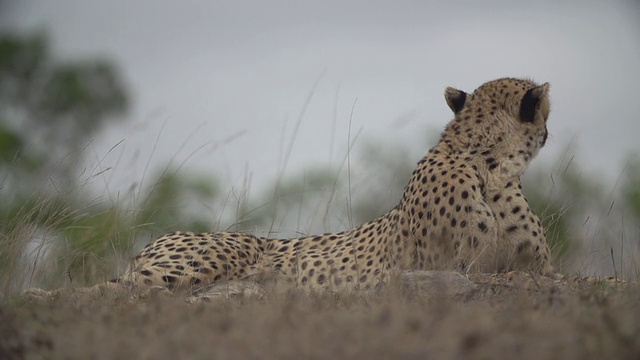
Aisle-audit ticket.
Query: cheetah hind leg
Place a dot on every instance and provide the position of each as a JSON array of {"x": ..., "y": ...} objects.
[
  {"x": 126, "y": 286},
  {"x": 214, "y": 292},
  {"x": 111, "y": 289}
]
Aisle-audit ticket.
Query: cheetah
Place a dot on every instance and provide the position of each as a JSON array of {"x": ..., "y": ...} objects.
[{"x": 463, "y": 210}]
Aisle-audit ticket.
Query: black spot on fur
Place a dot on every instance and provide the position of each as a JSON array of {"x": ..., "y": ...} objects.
[{"x": 169, "y": 279}]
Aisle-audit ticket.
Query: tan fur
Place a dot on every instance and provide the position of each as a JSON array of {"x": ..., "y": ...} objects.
[{"x": 462, "y": 209}]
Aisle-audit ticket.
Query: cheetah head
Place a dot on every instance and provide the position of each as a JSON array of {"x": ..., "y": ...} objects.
[{"x": 506, "y": 117}]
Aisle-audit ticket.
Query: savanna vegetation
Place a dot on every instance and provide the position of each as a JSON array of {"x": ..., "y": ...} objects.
[{"x": 56, "y": 230}]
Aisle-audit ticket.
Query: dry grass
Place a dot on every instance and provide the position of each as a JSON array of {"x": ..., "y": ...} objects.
[
  {"x": 518, "y": 317},
  {"x": 501, "y": 317}
]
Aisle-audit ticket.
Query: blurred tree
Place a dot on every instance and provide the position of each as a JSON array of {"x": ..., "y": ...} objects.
[{"x": 49, "y": 110}]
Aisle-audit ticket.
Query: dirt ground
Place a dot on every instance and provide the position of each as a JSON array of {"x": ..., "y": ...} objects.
[{"x": 488, "y": 317}]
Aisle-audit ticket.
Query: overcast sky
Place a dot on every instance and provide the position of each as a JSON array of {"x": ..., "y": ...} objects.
[{"x": 220, "y": 85}]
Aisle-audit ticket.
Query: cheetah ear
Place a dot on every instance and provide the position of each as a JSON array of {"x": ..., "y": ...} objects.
[
  {"x": 530, "y": 102},
  {"x": 455, "y": 99}
]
